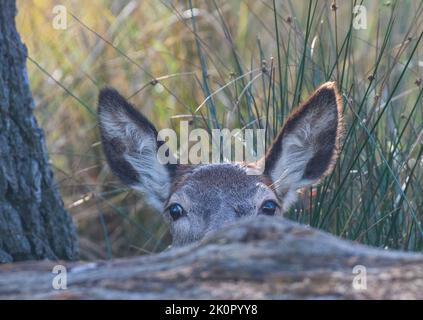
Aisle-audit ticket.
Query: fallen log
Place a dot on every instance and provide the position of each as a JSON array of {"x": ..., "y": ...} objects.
[{"x": 260, "y": 258}]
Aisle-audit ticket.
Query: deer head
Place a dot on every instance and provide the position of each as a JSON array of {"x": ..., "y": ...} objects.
[{"x": 196, "y": 199}]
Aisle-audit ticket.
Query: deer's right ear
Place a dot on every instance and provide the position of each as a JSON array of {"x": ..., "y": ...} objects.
[
  {"x": 130, "y": 144},
  {"x": 306, "y": 148}
]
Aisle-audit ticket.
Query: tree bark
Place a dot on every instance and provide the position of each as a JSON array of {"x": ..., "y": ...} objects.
[
  {"x": 260, "y": 258},
  {"x": 33, "y": 222}
]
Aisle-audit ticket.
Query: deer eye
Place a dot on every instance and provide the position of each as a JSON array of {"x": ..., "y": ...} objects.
[
  {"x": 176, "y": 211},
  {"x": 269, "y": 207}
]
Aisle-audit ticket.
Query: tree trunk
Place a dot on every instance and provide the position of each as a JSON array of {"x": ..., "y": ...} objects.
[
  {"x": 33, "y": 222},
  {"x": 259, "y": 258}
]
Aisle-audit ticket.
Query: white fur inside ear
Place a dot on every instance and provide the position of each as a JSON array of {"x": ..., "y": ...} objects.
[
  {"x": 141, "y": 154},
  {"x": 299, "y": 147},
  {"x": 154, "y": 177},
  {"x": 297, "y": 151}
]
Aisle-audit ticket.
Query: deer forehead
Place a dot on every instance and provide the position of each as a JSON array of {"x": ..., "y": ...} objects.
[{"x": 220, "y": 181}]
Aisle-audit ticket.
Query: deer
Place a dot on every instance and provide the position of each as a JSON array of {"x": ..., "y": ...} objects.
[{"x": 197, "y": 199}]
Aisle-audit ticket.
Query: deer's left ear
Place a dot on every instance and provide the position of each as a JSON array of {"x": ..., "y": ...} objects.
[
  {"x": 130, "y": 144},
  {"x": 306, "y": 147}
]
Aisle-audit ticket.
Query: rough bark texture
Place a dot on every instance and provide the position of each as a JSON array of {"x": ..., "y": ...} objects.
[
  {"x": 33, "y": 222},
  {"x": 261, "y": 258}
]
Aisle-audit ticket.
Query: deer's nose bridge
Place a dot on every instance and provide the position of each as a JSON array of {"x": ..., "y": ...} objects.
[
  {"x": 229, "y": 212},
  {"x": 242, "y": 209}
]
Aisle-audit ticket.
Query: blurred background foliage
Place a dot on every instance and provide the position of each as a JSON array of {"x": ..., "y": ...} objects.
[{"x": 255, "y": 60}]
